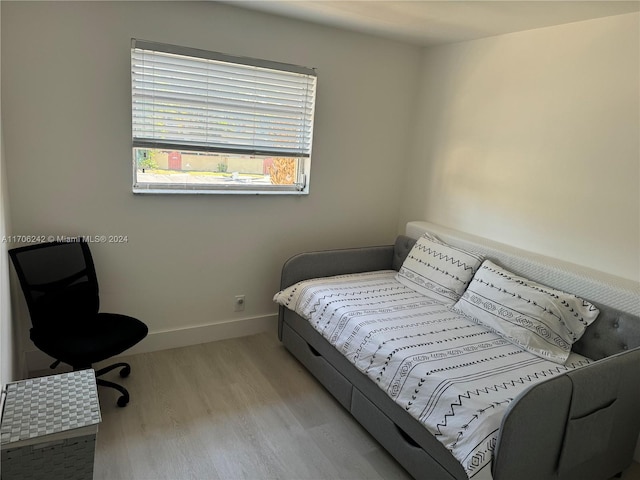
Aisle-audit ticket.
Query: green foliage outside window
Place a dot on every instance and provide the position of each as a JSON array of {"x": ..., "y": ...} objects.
[{"x": 146, "y": 159}]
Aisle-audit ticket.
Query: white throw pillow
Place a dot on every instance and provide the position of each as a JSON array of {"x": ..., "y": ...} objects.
[
  {"x": 438, "y": 270},
  {"x": 540, "y": 319}
]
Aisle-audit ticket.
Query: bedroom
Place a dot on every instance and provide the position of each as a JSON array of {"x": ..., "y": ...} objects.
[{"x": 492, "y": 117}]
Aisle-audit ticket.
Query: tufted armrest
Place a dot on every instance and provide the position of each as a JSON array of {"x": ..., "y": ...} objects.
[
  {"x": 328, "y": 263},
  {"x": 613, "y": 332}
]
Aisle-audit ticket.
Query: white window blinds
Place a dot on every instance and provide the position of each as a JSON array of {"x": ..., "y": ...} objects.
[{"x": 191, "y": 99}]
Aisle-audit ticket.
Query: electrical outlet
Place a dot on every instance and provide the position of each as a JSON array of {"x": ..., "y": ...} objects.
[{"x": 238, "y": 303}]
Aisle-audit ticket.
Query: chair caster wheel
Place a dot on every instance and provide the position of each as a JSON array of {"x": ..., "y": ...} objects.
[
  {"x": 123, "y": 401},
  {"x": 125, "y": 371}
]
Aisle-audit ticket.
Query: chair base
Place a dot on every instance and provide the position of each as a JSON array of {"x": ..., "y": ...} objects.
[
  {"x": 123, "y": 400},
  {"x": 126, "y": 369}
]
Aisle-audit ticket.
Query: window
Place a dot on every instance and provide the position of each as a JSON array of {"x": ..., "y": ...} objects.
[{"x": 206, "y": 122}]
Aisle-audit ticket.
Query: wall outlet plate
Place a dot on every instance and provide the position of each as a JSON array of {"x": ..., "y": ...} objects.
[{"x": 238, "y": 303}]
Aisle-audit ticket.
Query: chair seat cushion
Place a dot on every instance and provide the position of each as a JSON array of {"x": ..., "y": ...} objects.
[{"x": 93, "y": 340}]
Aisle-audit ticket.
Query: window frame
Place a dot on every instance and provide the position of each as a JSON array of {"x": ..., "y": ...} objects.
[{"x": 302, "y": 132}]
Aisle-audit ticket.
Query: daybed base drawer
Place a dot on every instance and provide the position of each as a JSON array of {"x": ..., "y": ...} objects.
[
  {"x": 414, "y": 459},
  {"x": 332, "y": 380}
]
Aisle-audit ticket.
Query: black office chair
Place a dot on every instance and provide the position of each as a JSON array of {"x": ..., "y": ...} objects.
[{"x": 61, "y": 289}]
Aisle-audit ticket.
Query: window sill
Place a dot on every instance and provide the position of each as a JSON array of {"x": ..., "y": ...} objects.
[{"x": 150, "y": 190}]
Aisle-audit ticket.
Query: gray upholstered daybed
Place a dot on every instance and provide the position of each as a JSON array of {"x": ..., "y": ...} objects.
[{"x": 582, "y": 423}]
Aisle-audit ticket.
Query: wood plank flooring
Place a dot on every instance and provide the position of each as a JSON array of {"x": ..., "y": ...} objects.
[{"x": 236, "y": 409}]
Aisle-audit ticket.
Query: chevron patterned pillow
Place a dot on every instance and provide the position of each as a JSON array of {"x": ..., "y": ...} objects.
[
  {"x": 542, "y": 320},
  {"x": 438, "y": 270}
]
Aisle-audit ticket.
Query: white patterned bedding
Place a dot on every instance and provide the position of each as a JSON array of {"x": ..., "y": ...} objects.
[{"x": 453, "y": 375}]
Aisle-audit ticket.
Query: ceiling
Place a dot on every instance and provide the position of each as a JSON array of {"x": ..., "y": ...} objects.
[{"x": 430, "y": 22}]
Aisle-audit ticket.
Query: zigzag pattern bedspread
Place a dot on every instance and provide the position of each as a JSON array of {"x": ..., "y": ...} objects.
[{"x": 455, "y": 376}]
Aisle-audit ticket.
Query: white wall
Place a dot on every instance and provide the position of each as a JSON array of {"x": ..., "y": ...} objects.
[
  {"x": 8, "y": 341},
  {"x": 8, "y": 347},
  {"x": 532, "y": 139},
  {"x": 66, "y": 105}
]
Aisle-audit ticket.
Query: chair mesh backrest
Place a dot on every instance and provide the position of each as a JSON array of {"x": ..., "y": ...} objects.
[{"x": 58, "y": 281}]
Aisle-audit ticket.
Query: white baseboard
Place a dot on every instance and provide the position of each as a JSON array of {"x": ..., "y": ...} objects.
[{"x": 37, "y": 361}]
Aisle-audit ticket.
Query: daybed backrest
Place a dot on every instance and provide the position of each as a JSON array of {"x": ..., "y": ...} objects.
[{"x": 618, "y": 325}]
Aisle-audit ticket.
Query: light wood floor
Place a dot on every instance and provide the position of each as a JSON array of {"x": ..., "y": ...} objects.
[
  {"x": 236, "y": 409},
  {"x": 239, "y": 408}
]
